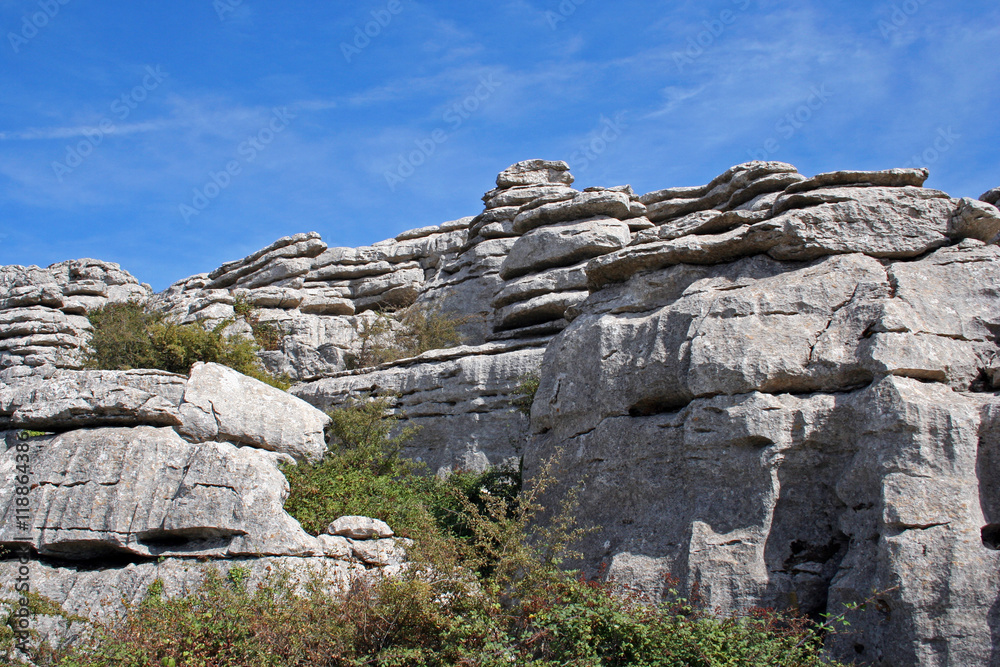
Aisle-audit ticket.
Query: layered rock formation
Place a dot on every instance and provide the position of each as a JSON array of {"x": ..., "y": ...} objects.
[
  {"x": 779, "y": 388},
  {"x": 147, "y": 475}
]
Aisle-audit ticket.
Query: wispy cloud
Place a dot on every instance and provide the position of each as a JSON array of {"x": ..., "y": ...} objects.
[{"x": 47, "y": 133}]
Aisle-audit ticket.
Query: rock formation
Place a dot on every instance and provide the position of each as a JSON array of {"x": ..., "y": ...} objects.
[{"x": 782, "y": 389}]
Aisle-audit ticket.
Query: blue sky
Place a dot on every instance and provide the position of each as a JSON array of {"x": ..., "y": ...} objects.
[{"x": 172, "y": 137}]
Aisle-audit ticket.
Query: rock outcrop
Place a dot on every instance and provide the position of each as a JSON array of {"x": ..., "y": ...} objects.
[
  {"x": 43, "y": 311},
  {"x": 780, "y": 389}
]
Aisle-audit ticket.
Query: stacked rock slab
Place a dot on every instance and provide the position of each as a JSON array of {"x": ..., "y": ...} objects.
[
  {"x": 782, "y": 389},
  {"x": 43, "y": 311}
]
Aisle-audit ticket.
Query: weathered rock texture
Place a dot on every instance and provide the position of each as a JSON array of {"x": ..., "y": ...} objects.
[{"x": 779, "y": 388}]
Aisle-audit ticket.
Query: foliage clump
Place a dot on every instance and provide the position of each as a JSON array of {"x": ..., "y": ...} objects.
[
  {"x": 405, "y": 333},
  {"x": 524, "y": 393},
  {"x": 363, "y": 473},
  {"x": 130, "y": 335},
  {"x": 485, "y": 587}
]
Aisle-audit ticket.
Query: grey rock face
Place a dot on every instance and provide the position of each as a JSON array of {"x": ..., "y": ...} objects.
[
  {"x": 460, "y": 398},
  {"x": 221, "y": 404},
  {"x": 563, "y": 245},
  {"x": 793, "y": 428},
  {"x": 75, "y": 399},
  {"x": 144, "y": 491}
]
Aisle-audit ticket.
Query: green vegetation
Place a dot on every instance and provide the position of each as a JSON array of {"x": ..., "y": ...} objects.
[
  {"x": 406, "y": 333},
  {"x": 267, "y": 334},
  {"x": 363, "y": 473},
  {"x": 524, "y": 392},
  {"x": 486, "y": 586},
  {"x": 129, "y": 335},
  {"x": 37, "y": 605}
]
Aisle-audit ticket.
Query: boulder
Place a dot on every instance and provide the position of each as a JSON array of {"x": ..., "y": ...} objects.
[
  {"x": 564, "y": 244},
  {"x": 359, "y": 528},
  {"x": 976, "y": 220},
  {"x": 534, "y": 172},
  {"x": 143, "y": 491},
  {"x": 221, "y": 404}
]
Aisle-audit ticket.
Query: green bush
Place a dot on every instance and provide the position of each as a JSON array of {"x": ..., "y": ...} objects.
[
  {"x": 406, "y": 333},
  {"x": 524, "y": 393},
  {"x": 128, "y": 335},
  {"x": 268, "y": 335}
]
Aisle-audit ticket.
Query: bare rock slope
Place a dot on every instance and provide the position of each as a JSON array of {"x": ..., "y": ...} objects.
[{"x": 780, "y": 389}]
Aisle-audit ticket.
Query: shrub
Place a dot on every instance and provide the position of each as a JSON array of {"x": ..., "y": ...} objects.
[
  {"x": 128, "y": 335},
  {"x": 269, "y": 335},
  {"x": 524, "y": 393},
  {"x": 406, "y": 333},
  {"x": 121, "y": 337},
  {"x": 362, "y": 473}
]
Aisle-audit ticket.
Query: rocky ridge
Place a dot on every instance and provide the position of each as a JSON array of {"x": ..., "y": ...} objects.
[{"x": 780, "y": 388}]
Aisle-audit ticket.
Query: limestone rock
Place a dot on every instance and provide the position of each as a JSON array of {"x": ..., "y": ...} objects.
[
  {"x": 101, "y": 594},
  {"x": 533, "y": 172},
  {"x": 287, "y": 248},
  {"x": 563, "y": 279},
  {"x": 564, "y": 244},
  {"x": 537, "y": 310},
  {"x": 879, "y": 222},
  {"x": 389, "y": 553},
  {"x": 520, "y": 195},
  {"x": 146, "y": 492},
  {"x": 991, "y": 197},
  {"x": 896, "y": 178},
  {"x": 221, "y": 404},
  {"x": 359, "y": 528},
  {"x": 460, "y": 398},
  {"x": 73, "y": 399},
  {"x": 583, "y": 206},
  {"x": 977, "y": 220},
  {"x": 735, "y": 187},
  {"x": 780, "y": 388}
]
